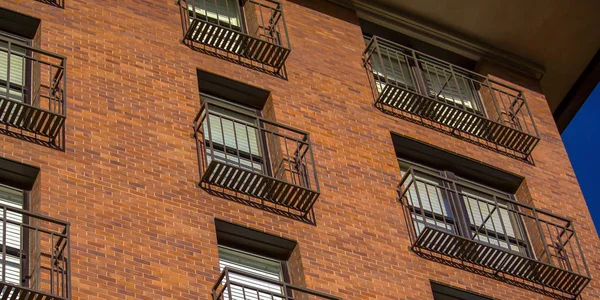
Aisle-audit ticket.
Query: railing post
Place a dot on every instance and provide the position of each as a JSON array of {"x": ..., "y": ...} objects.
[
  {"x": 228, "y": 284},
  {"x": 494, "y": 100},
  {"x": 542, "y": 236},
  {"x": 585, "y": 266},
  {"x": 414, "y": 178},
  {"x": 4, "y": 243},
  {"x": 288, "y": 44},
  {"x": 312, "y": 161},
  {"x": 382, "y": 66},
  {"x": 68, "y": 261}
]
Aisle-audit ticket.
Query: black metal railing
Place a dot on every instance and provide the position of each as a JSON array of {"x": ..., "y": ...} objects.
[
  {"x": 35, "y": 256},
  {"x": 239, "y": 285},
  {"x": 256, "y": 157},
  {"x": 464, "y": 221},
  {"x": 57, "y": 3},
  {"x": 253, "y": 31},
  {"x": 32, "y": 93},
  {"x": 422, "y": 88}
]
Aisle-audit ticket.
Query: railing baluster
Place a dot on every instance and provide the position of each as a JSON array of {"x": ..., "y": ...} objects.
[{"x": 4, "y": 262}]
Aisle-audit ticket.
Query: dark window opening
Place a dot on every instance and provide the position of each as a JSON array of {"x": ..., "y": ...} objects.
[{"x": 444, "y": 292}]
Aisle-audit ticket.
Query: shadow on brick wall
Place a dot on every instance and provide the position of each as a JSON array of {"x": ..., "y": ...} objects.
[{"x": 308, "y": 218}]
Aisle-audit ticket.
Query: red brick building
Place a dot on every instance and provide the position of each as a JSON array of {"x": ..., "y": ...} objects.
[{"x": 299, "y": 150}]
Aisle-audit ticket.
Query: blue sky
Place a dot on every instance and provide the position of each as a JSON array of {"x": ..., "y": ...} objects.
[{"x": 582, "y": 140}]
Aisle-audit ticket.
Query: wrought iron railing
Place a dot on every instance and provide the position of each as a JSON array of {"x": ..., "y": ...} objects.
[
  {"x": 34, "y": 256},
  {"x": 32, "y": 93},
  {"x": 57, "y": 3},
  {"x": 424, "y": 89},
  {"x": 239, "y": 285},
  {"x": 251, "y": 31},
  {"x": 464, "y": 221},
  {"x": 256, "y": 157}
]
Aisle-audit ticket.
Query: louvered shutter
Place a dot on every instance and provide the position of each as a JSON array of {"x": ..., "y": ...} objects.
[
  {"x": 225, "y": 11},
  {"x": 238, "y": 134},
  {"x": 12, "y": 198},
  {"x": 254, "y": 289}
]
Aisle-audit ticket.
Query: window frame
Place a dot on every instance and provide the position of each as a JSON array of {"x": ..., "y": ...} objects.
[
  {"x": 284, "y": 275},
  {"x": 192, "y": 11},
  {"x": 264, "y": 158},
  {"x": 24, "y": 235},
  {"x": 27, "y": 72},
  {"x": 460, "y": 213}
]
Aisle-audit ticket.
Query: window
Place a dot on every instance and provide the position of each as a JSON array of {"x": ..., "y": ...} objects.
[
  {"x": 14, "y": 198},
  {"x": 443, "y": 292},
  {"x": 250, "y": 288},
  {"x": 32, "y": 84},
  {"x": 403, "y": 67},
  {"x": 442, "y": 200},
  {"x": 234, "y": 135},
  {"x": 454, "y": 85},
  {"x": 13, "y": 70},
  {"x": 256, "y": 263},
  {"x": 392, "y": 67},
  {"x": 222, "y": 12}
]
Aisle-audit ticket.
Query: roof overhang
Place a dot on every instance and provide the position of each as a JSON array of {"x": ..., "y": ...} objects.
[{"x": 553, "y": 41}]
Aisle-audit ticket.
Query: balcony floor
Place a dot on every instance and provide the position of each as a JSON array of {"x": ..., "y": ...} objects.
[
  {"x": 499, "y": 260},
  {"x": 236, "y": 42},
  {"x": 30, "y": 118},
  {"x": 457, "y": 119},
  {"x": 17, "y": 292},
  {"x": 260, "y": 186}
]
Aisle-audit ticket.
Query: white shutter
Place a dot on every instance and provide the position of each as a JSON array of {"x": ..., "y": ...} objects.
[
  {"x": 12, "y": 198},
  {"x": 226, "y": 11},
  {"x": 254, "y": 265}
]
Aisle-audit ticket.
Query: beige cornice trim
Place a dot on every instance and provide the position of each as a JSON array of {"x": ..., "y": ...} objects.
[{"x": 419, "y": 29}]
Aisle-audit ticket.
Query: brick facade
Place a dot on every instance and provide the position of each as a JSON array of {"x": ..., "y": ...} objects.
[{"x": 142, "y": 229}]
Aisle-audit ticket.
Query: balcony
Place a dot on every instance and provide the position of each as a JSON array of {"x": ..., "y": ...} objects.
[
  {"x": 253, "y": 33},
  {"x": 509, "y": 239},
  {"x": 34, "y": 258},
  {"x": 267, "y": 161},
  {"x": 239, "y": 285},
  {"x": 32, "y": 94},
  {"x": 445, "y": 97}
]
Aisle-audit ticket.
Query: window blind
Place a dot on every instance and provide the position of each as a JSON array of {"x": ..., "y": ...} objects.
[
  {"x": 451, "y": 86},
  {"x": 427, "y": 194},
  {"x": 236, "y": 134},
  {"x": 12, "y": 198},
  {"x": 225, "y": 11},
  {"x": 12, "y": 69},
  {"x": 500, "y": 228},
  {"x": 392, "y": 67},
  {"x": 255, "y": 289}
]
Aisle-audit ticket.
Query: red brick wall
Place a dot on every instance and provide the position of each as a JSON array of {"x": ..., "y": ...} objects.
[{"x": 141, "y": 229}]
